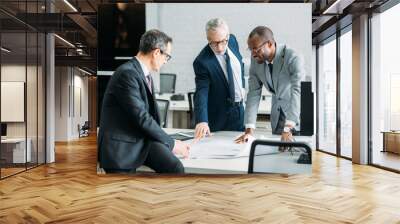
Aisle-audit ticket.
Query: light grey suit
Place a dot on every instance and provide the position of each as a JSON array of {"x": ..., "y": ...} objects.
[{"x": 288, "y": 71}]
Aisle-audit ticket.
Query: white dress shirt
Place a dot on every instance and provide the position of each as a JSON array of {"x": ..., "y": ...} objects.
[
  {"x": 145, "y": 70},
  {"x": 236, "y": 70}
]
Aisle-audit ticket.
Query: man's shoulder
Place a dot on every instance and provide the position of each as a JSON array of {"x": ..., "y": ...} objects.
[
  {"x": 254, "y": 64},
  {"x": 290, "y": 53},
  {"x": 232, "y": 39},
  {"x": 126, "y": 69},
  {"x": 125, "y": 66},
  {"x": 204, "y": 55}
]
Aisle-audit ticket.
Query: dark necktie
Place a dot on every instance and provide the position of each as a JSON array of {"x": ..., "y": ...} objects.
[
  {"x": 270, "y": 67},
  {"x": 230, "y": 77},
  {"x": 148, "y": 79}
]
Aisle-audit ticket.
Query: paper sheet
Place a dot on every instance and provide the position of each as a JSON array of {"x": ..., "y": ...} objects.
[
  {"x": 218, "y": 147},
  {"x": 222, "y": 146}
]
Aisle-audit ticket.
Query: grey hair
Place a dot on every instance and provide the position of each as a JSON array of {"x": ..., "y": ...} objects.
[
  {"x": 154, "y": 39},
  {"x": 214, "y": 24}
]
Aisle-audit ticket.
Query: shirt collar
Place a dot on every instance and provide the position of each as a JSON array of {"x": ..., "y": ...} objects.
[
  {"x": 145, "y": 70},
  {"x": 226, "y": 50},
  {"x": 276, "y": 52}
]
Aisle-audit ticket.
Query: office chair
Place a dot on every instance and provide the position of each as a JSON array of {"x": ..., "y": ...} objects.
[
  {"x": 306, "y": 109},
  {"x": 167, "y": 83},
  {"x": 84, "y": 129},
  {"x": 280, "y": 157},
  {"x": 163, "y": 106},
  {"x": 191, "y": 110}
]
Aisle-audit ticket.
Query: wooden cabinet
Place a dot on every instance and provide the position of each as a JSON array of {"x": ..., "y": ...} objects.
[{"x": 391, "y": 142}]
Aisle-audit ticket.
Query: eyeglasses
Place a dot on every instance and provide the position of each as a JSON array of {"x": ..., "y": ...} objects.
[
  {"x": 215, "y": 44},
  {"x": 168, "y": 57},
  {"x": 257, "y": 49}
]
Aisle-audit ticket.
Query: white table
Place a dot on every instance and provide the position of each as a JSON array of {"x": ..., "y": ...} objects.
[
  {"x": 274, "y": 163},
  {"x": 19, "y": 155},
  {"x": 183, "y": 106}
]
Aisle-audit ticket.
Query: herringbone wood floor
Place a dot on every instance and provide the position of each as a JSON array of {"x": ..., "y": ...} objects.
[{"x": 70, "y": 191}]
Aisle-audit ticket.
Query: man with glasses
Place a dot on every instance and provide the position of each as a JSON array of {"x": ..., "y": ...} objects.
[
  {"x": 280, "y": 70},
  {"x": 130, "y": 134},
  {"x": 218, "y": 100}
]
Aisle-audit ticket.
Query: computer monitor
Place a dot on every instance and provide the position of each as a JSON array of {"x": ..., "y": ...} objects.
[
  {"x": 167, "y": 83},
  {"x": 3, "y": 129},
  {"x": 306, "y": 109}
]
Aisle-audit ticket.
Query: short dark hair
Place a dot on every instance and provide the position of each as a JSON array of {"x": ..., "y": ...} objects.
[
  {"x": 154, "y": 39},
  {"x": 263, "y": 32}
]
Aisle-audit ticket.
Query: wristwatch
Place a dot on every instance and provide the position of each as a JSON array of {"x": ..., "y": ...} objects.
[{"x": 287, "y": 129}]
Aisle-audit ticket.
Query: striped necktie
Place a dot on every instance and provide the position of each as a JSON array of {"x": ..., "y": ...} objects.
[{"x": 148, "y": 79}]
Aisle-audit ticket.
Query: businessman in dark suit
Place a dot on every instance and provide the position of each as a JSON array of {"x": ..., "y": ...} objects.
[
  {"x": 218, "y": 100},
  {"x": 130, "y": 134}
]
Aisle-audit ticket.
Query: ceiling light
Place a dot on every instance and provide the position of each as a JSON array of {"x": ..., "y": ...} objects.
[
  {"x": 5, "y": 50},
  {"x": 70, "y": 5},
  {"x": 329, "y": 9},
  {"x": 65, "y": 41},
  {"x": 84, "y": 71},
  {"x": 122, "y": 58}
]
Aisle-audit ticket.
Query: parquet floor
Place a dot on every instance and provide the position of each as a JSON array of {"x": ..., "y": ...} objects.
[{"x": 70, "y": 191}]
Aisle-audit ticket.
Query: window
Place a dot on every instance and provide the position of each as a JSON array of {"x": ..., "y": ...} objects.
[
  {"x": 22, "y": 76},
  {"x": 346, "y": 94},
  {"x": 385, "y": 86},
  {"x": 327, "y": 96}
]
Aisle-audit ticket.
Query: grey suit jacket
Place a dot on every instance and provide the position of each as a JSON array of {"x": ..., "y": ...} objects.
[{"x": 288, "y": 71}]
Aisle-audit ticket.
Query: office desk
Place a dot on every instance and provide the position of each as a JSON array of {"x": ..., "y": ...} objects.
[
  {"x": 178, "y": 109},
  {"x": 13, "y": 150},
  {"x": 274, "y": 163}
]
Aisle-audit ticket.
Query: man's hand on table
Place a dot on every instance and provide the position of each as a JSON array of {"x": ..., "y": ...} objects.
[
  {"x": 181, "y": 148},
  {"x": 244, "y": 138},
  {"x": 286, "y": 136},
  {"x": 202, "y": 130}
]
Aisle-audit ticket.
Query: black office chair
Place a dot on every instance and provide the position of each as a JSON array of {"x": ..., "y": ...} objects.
[
  {"x": 84, "y": 129},
  {"x": 280, "y": 157},
  {"x": 306, "y": 109},
  {"x": 167, "y": 83},
  {"x": 191, "y": 110},
  {"x": 163, "y": 106}
]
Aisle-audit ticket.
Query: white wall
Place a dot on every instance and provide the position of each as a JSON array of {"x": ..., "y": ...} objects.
[
  {"x": 185, "y": 23},
  {"x": 71, "y": 93},
  {"x": 17, "y": 73},
  {"x": 34, "y": 125}
]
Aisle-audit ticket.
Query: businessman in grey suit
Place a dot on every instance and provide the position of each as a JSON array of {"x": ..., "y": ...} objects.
[{"x": 280, "y": 70}]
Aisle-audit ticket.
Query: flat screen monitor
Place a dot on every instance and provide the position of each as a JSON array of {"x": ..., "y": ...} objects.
[{"x": 167, "y": 83}]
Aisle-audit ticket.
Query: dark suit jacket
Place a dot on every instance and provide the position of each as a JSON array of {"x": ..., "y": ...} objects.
[
  {"x": 212, "y": 90},
  {"x": 129, "y": 120}
]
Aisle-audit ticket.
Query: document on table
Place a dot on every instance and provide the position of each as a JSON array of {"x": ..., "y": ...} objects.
[{"x": 223, "y": 147}]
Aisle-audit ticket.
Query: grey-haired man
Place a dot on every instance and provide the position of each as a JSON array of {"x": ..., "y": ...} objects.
[{"x": 130, "y": 134}]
